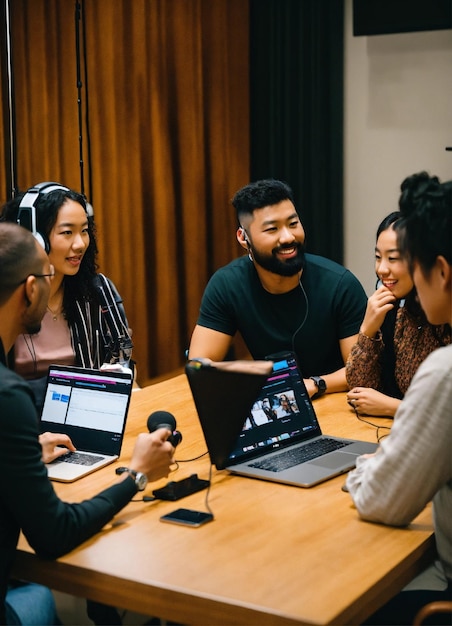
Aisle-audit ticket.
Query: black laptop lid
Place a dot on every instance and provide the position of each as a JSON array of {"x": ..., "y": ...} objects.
[
  {"x": 224, "y": 393},
  {"x": 90, "y": 406}
]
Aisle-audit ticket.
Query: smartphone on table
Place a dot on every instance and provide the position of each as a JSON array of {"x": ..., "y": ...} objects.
[{"x": 187, "y": 517}]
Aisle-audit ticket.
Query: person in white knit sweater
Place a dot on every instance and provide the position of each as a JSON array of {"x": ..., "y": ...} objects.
[{"x": 413, "y": 465}]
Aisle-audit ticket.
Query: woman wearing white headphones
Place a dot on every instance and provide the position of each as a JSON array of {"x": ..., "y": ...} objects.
[{"x": 75, "y": 331}]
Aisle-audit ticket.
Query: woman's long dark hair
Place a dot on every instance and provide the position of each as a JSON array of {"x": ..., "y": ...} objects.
[
  {"x": 80, "y": 286},
  {"x": 413, "y": 308}
]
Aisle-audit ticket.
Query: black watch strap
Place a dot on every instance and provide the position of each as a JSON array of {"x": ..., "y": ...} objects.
[{"x": 320, "y": 384}]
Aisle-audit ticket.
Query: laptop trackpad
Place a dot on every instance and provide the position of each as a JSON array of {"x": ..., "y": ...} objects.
[{"x": 335, "y": 460}]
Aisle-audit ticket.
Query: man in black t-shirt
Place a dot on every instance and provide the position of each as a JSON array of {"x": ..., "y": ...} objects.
[{"x": 278, "y": 297}]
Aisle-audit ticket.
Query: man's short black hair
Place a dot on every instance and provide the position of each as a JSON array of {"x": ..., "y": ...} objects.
[
  {"x": 260, "y": 194},
  {"x": 19, "y": 258}
]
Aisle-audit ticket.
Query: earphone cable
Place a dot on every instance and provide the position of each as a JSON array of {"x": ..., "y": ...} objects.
[
  {"x": 208, "y": 491},
  {"x": 304, "y": 318},
  {"x": 377, "y": 426},
  {"x": 31, "y": 350}
]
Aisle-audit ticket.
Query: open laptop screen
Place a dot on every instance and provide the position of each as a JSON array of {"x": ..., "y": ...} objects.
[
  {"x": 282, "y": 413},
  {"x": 90, "y": 406}
]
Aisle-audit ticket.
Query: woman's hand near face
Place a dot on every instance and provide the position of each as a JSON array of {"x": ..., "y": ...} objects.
[{"x": 378, "y": 305}]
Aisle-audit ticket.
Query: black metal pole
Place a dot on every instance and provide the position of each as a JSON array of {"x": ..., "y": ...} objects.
[
  {"x": 79, "y": 96},
  {"x": 9, "y": 116}
]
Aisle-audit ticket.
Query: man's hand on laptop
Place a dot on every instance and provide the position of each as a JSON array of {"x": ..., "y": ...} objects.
[
  {"x": 153, "y": 454},
  {"x": 54, "y": 445}
]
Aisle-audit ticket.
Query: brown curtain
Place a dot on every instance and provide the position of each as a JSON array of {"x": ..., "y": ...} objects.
[{"x": 165, "y": 99}]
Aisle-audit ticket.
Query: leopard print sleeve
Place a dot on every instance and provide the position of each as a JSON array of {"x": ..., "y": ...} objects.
[{"x": 363, "y": 367}]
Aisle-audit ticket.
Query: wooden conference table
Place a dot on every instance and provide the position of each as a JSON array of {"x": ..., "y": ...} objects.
[{"x": 274, "y": 554}]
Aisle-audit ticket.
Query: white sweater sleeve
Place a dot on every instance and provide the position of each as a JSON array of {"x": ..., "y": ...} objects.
[{"x": 415, "y": 461}]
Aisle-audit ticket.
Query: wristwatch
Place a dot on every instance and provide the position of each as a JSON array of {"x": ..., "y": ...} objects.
[
  {"x": 140, "y": 479},
  {"x": 321, "y": 386}
]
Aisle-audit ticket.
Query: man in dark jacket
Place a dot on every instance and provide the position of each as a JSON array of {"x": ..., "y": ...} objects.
[{"x": 52, "y": 527}]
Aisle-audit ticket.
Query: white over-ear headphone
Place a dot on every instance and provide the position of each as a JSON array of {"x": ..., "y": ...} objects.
[{"x": 26, "y": 216}]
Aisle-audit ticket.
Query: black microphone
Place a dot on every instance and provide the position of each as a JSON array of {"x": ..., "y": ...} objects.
[{"x": 163, "y": 419}]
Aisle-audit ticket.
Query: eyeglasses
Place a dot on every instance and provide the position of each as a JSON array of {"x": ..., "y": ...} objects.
[{"x": 50, "y": 275}]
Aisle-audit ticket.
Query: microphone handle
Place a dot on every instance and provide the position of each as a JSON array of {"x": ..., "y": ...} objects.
[{"x": 175, "y": 438}]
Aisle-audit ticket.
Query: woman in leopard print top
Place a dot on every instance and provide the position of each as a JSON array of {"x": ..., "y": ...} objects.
[{"x": 394, "y": 337}]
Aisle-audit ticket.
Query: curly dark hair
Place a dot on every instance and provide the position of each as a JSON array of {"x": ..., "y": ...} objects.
[
  {"x": 260, "y": 194},
  {"x": 80, "y": 286},
  {"x": 425, "y": 231}
]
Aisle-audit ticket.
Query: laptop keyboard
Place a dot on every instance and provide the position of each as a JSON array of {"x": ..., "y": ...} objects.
[
  {"x": 295, "y": 456},
  {"x": 79, "y": 458}
]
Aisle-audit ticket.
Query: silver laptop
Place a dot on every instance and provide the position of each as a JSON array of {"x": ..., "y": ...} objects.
[
  {"x": 90, "y": 406},
  {"x": 280, "y": 438}
]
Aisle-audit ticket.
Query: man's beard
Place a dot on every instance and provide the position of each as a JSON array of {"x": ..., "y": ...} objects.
[
  {"x": 33, "y": 328},
  {"x": 273, "y": 264},
  {"x": 33, "y": 322}
]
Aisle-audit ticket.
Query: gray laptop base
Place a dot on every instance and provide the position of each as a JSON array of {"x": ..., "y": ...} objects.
[
  {"x": 280, "y": 420},
  {"x": 66, "y": 471},
  {"x": 311, "y": 472}
]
